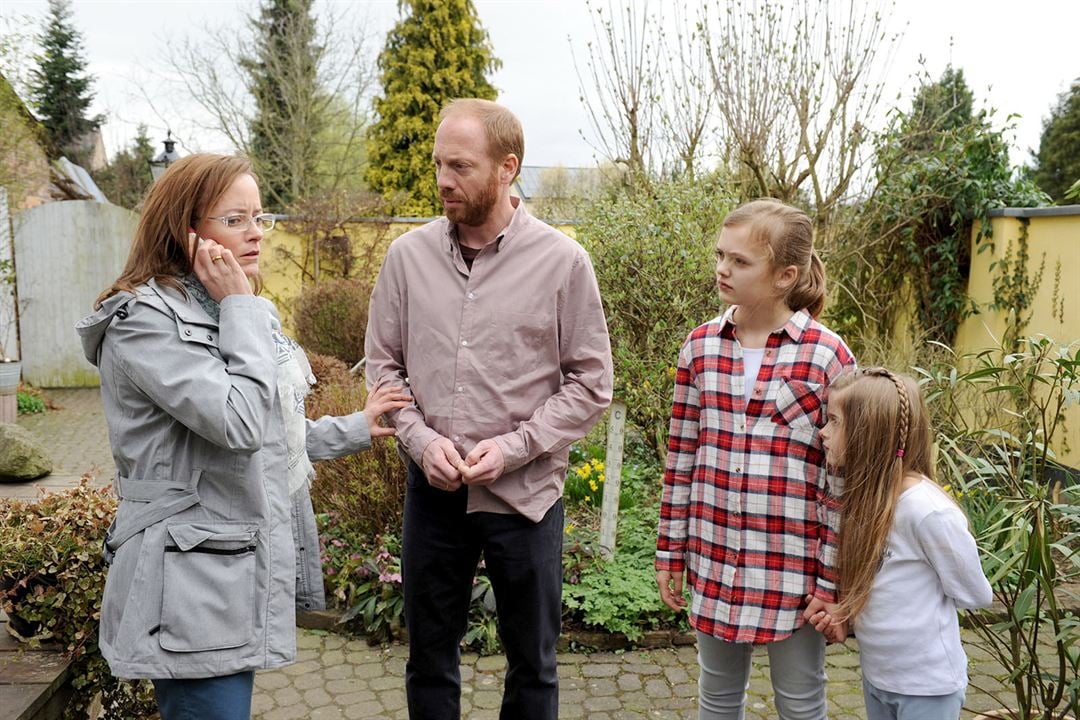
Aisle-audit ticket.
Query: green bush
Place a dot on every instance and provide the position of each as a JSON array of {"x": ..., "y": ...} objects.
[
  {"x": 53, "y": 577},
  {"x": 653, "y": 251},
  {"x": 30, "y": 402},
  {"x": 331, "y": 318},
  {"x": 365, "y": 490}
]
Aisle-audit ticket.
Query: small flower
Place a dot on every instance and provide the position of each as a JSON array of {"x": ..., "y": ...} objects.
[
  {"x": 602, "y": 477},
  {"x": 569, "y": 528},
  {"x": 593, "y": 486},
  {"x": 588, "y": 498}
]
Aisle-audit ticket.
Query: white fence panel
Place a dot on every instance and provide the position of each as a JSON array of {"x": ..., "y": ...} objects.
[{"x": 66, "y": 254}]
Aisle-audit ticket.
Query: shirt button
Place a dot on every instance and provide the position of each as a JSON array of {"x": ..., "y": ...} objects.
[
  {"x": 210, "y": 338},
  {"x": 472, "y": 296},
  {"x": 460, "y": 389},
  {"x": 187, "y": 332},
  {"x": 465, "y": 343},
  {"x": 457, "y": 438},
  {"x": 738, "y": 469}
]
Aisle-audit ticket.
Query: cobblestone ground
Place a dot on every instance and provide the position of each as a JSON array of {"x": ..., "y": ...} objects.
[{"x": 336, "y": 677}]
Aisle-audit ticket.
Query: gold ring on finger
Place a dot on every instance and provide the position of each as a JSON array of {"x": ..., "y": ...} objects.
[{"x": 215, "y": 258}]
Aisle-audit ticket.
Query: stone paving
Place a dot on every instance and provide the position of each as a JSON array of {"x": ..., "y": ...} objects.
[{"x": 339, "y": 677}]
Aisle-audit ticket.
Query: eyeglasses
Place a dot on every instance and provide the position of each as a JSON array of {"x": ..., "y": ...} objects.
[{"x": 240, "y": 223}]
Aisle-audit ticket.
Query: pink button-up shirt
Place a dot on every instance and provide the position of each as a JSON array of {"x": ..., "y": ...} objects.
[{"x": 515, "y": 349}]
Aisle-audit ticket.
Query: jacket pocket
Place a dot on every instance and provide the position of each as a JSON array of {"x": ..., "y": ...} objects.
[{"x": 208, "y": 600}]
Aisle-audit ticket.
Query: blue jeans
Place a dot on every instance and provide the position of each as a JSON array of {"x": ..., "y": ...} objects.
[
  {"x": 885, "y": 705},
  {"x": 441, "y": 546},
  {"x": 216, "y": 698},
  {"x": 796, "y": 667}
]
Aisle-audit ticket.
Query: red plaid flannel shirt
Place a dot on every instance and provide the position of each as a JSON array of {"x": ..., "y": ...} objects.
[{"x": 747, "y": 510}]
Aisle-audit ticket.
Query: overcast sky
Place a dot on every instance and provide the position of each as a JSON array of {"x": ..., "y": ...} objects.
[{"x": 1016, "y": 57}]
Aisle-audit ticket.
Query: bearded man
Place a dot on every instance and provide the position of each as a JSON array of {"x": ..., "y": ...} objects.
[{"x": 494, "y": 320}]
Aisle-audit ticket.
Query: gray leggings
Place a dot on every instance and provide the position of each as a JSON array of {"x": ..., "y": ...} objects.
[{"x": 796, "y": 665}]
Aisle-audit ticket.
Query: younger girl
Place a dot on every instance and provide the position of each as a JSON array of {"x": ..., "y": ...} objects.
[
  {"x": 907, "y": 560},
  {"x": 746, "y": 511}
]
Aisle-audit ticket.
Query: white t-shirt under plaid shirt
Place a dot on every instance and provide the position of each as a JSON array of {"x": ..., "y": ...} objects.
[{"x": 748, "y": 510}]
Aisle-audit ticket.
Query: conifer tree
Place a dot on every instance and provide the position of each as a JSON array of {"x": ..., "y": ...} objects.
[
  {"x": 60, "y": 86},
  {"x": 1058, "y": 159},
  {"x": 438, "y": 51},
  {"x": 283, "y": 78}
]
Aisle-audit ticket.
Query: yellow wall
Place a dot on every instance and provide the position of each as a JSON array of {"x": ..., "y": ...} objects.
[{"x": 1053, "y": 238}]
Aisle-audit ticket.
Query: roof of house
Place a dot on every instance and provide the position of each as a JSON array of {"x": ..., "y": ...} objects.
[{"x": 529, "y": 183}]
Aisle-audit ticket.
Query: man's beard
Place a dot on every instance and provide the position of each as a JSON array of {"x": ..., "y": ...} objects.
[{"x": 475, "y": 212}]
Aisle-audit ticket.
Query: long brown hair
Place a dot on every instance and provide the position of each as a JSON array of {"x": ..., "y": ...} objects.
[
  {"x": 788, "y": 236},
  {"x": 175, "y": 203},
  {"x": 886, "y": 432}
]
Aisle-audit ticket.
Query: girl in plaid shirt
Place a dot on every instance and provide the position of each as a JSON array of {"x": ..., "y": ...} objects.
[{"x": 748, "y": 514}]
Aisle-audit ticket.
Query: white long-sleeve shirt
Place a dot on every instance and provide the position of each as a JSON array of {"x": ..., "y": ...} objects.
[{"x": 909, "y": 635}]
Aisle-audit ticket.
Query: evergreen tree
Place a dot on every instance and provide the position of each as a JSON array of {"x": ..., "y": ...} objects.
[
  {"x": 126, "y": 179},
  {"x": 437, "y": 52},
  {"x": 60, "y": 87},
  {"x": 283, "y": 79},
  {"x": 1058, "y": 160},
  {"x": 943, "y": 105}
]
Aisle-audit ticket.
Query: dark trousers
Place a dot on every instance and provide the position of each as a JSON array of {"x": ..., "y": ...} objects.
[{"x": 441, "y": 546}]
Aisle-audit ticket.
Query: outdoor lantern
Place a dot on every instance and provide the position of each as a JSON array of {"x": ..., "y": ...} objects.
[{"x": 165, "y": 158}]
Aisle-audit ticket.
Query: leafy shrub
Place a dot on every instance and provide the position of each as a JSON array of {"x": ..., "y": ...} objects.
[
  {"x": 619, "y": 595},
  {"x": 653, "y": 251},
  {"x": 331, "y": 318},
  {"x": 1005, "y": 415},
  {"x": 365, "y": 491},
  {"x": 54, "y": 576},
  {"x": 30, "y": 402}
]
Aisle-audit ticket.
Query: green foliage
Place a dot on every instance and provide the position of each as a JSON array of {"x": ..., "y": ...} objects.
[
  {"x": 619, "y": 595},
  {"x": 127, "y": 177},
  {"x": 1015, "y": 288},
  {"x": 52, "y": 576},
  {"x": 23, "y": 165},
  {"x": 331, "y": 318},
  {"x": 1058, "y": 160},
  {"x": 936, "y": 178},
  {"x": 1002, "y": 412},
  {"x": 653, "y": 251},
  {"x": 362, "y": 574},
  {"x": 60, "y": 87},
  {"x": 367, "y": 489},
  {"x": 30, "y": 403},
  {"x": 283, "y": 78},
  {"x": 436, "y": 52}
]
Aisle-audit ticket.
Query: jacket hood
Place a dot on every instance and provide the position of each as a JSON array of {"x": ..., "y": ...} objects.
[{"x": 92, "y": 328}]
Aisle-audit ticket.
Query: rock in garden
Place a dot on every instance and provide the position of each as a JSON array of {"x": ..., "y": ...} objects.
[{"x": 22, "y": 456}]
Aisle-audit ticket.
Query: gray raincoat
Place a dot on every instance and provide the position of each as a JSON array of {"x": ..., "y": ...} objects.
[{"x": 206, "y": 538}]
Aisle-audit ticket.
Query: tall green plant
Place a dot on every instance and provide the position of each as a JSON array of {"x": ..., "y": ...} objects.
[
  {"x": 940, "y": 168},
  {"x": 438, "y": 51},
  {"x": 653, "y": 251},
  {"x": 60, "y": 85},
  {"x": 1004, "y": 410}
]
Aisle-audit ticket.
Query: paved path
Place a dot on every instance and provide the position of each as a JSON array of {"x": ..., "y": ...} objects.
[{"x": 337, "y": 677}]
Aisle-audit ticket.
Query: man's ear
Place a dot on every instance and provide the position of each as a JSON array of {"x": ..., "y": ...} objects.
[{"x": 510, "y": 168}]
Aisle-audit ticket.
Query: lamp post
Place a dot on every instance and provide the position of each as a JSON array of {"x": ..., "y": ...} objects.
[{"x": 165, "y": 158}]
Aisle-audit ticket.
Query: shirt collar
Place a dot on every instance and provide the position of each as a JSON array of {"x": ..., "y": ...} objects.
[
  {"x": 503, "y": 239},
  {"x": 794, "y": 327}
]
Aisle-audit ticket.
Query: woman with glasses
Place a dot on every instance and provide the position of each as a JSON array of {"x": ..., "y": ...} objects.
[{"x": 214, "y": 536}]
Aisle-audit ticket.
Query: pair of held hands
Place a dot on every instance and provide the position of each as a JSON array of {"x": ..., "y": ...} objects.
[
  {"x": 818, "y": 613},
  {"x": 445, "y": 469}
]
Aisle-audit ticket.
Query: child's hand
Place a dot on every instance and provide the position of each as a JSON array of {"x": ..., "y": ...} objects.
[
  {"x": 671, "y": 589},
  {"x": 822, "y": 616},
  {"x": 380, "y": 400}
]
